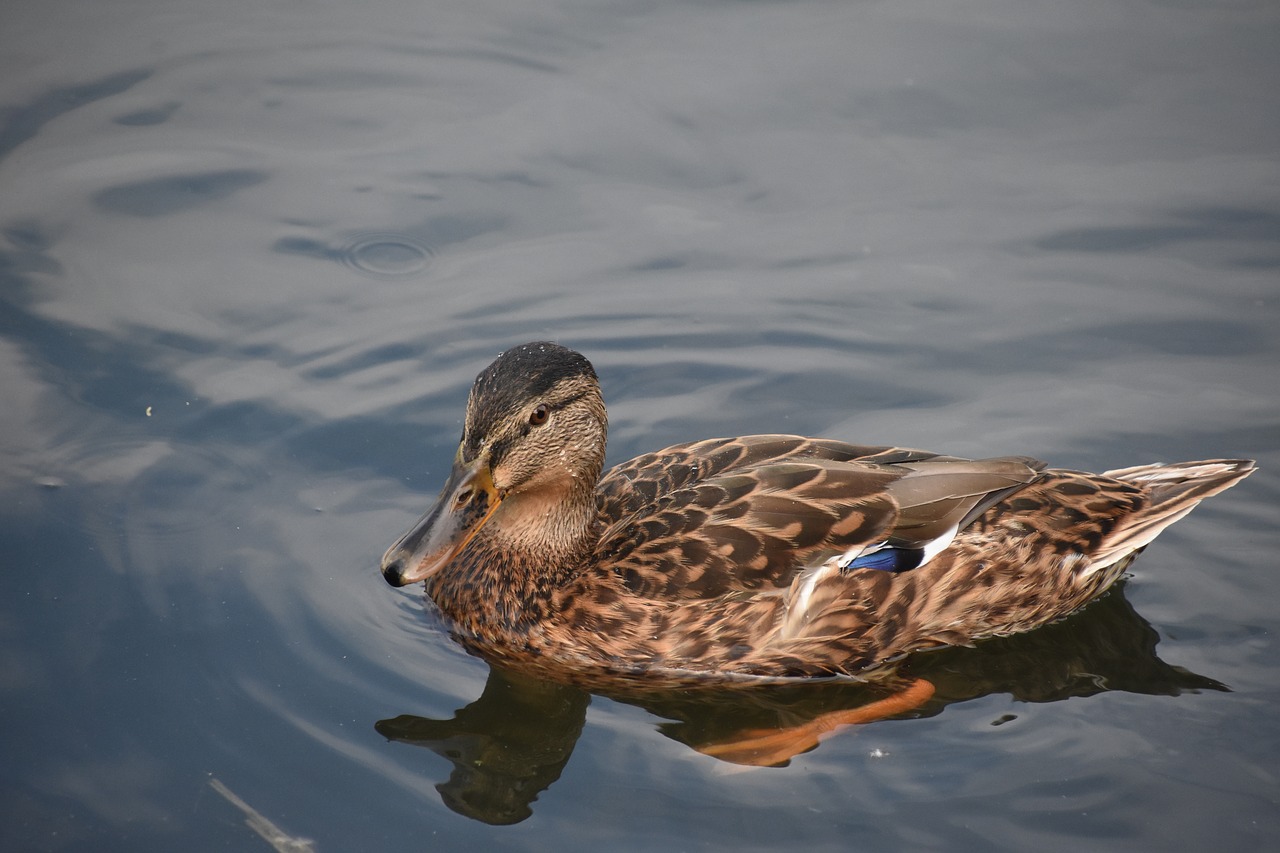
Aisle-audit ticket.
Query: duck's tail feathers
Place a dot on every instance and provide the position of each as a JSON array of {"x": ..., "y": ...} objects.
[{"x": 1173, "y": 491}]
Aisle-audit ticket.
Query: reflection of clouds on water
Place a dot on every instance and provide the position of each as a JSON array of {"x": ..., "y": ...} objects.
[
  {"x": 323, "y": 735},
  {"x": 121, "y": 792},
  {"x": 20, "y": 437}
]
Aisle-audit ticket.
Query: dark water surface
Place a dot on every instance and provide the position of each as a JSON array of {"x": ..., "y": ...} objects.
[{"x": 252, "y": 255}]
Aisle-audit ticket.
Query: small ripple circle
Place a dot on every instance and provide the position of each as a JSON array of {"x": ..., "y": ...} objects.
[{"x": 386, "y": 255}]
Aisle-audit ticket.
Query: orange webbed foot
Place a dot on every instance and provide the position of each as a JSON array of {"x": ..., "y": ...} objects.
[{"x": 775, "y": 747}]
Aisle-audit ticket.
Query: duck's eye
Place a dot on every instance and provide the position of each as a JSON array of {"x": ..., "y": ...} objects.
[{"x": 539, "y": 415}]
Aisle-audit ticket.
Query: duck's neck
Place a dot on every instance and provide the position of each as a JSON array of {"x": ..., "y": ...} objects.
[{"x": 502, "y": 582}]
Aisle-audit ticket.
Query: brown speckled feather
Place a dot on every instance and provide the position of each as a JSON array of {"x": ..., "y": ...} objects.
[
  {"x": 748, "y": 557},
  {"x": 703, "y": 520},
  {"x": 1022, "y": 563}
]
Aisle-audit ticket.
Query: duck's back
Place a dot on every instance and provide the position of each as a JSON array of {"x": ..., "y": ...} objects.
[{"x": 714, "y": 588}]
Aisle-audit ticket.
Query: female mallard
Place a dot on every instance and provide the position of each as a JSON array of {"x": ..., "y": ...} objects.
[{"x": 769, "y": 556}]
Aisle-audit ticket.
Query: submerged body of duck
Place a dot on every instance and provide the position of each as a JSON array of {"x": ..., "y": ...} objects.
[{"x": 768, "y": 556}]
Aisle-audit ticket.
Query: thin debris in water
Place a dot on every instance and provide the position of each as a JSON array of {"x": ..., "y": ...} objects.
[{"x": 259, "y": 823}]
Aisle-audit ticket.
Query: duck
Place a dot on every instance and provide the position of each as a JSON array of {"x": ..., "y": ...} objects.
[{"x": 758, "y": 558}]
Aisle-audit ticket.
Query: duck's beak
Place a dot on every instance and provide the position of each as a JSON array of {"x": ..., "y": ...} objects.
[{"x": 464, "y": 505}]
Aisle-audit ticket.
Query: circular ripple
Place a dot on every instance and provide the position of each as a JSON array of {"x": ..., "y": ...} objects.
[{"x": 386, "y": 255}]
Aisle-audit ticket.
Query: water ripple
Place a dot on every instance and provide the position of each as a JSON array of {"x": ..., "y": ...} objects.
[
  {"x": 386, "y": 255},
  {"x": 380, "y": 254}
]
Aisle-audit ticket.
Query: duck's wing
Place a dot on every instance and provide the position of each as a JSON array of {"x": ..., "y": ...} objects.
[
  {"x": 1038, "y": 555},
  {"x": 638, "y": 484},
  {"x": 725, "y": 516}
]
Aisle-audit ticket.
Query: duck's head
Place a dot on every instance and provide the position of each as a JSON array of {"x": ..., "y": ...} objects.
[{"x": 525, "y": 473}]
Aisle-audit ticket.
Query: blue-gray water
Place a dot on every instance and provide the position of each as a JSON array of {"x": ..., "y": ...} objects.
[{"x": 252, "y": 254}]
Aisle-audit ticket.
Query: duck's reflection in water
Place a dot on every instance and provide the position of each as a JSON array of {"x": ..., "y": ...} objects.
[
  {"x": 512, "y": 742},
  {"x": 506, "y": 747}
]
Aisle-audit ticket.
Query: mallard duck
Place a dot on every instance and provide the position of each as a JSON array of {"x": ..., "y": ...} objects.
[{"x": 760, "y": 557}]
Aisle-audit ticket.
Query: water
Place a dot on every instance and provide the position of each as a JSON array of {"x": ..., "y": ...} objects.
[{"x": 254, "y": 254}]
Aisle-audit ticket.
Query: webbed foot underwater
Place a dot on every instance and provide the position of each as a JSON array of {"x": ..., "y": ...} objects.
[{"x": 760, "y": 557}]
